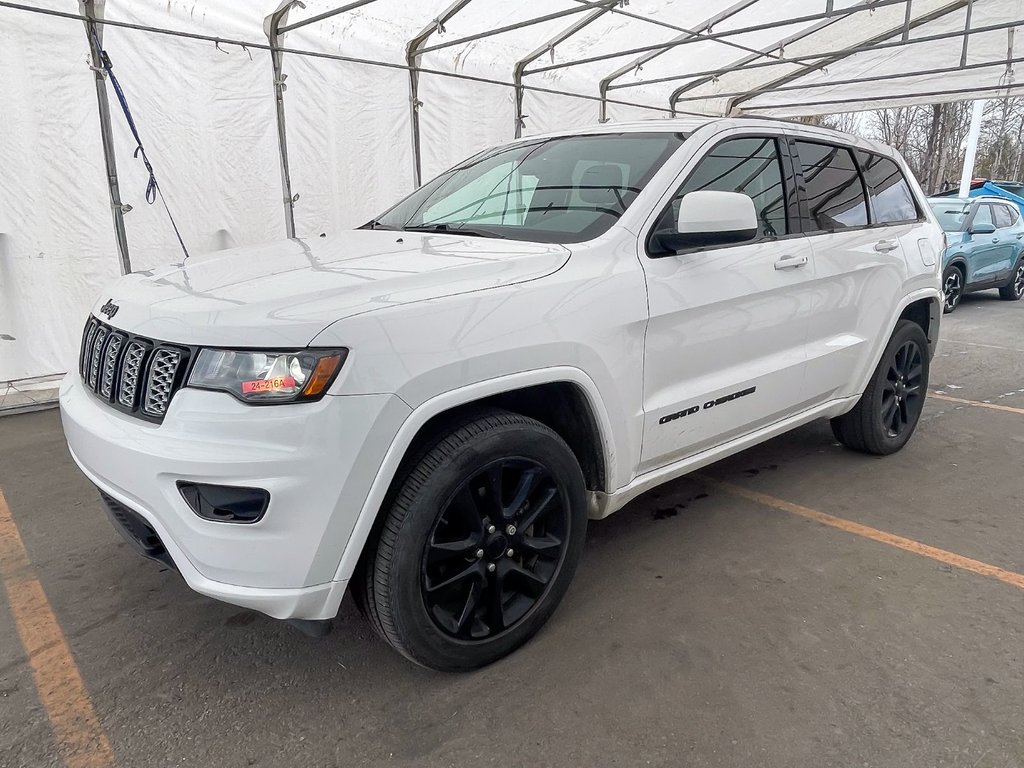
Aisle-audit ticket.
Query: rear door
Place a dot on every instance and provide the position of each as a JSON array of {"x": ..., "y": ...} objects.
[
  {"x": 859, "y": 266},
  {"x": 725, "y": 345},
  {"x": 983, "y": 250},
  {"x": 1016, "y": 233},
  {"x": 1007, "y": 240}
]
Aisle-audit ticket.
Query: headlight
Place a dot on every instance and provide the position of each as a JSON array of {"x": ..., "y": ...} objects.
[{"x": 268, "y": 377}]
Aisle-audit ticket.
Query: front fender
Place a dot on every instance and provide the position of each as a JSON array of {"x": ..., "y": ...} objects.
[{"x": 445, "y": 402}]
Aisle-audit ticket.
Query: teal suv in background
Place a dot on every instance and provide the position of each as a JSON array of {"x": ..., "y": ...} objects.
[{"x": 985, "y": 247}]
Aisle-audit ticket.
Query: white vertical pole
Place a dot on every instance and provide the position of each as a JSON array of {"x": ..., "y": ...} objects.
[{"x": 972, "y": 147}]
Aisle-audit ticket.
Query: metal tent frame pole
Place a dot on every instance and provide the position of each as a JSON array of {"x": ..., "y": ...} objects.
[
  {"x": 549, "y": 45},
  {"x": 272, "y": 28},
  {"x": 705, "y": 26},
  {"x": 92, "y": 10},
  {"x": 412, "y": 53}
]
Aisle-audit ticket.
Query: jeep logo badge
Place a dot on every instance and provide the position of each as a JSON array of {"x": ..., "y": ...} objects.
[{"x": 109, "y": 309}]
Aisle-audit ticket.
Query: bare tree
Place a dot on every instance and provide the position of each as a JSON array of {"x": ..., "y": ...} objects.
[{"x": 932, "y": 138}]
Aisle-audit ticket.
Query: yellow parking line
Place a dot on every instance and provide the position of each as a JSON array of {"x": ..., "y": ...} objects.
[
  {"x": 910, "y": 545},
  {"x": 80, "y": 738},
  {"x": 976, "y": 403}
]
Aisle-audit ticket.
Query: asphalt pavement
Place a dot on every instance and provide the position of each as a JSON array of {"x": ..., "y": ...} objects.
[{"x": 794, "y": 605}]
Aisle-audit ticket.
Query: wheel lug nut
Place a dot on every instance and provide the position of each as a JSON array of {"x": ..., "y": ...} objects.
[
  {"x": 510, "y": 552},
  {"x": 511, "y": 530},
  {"x": 491, "y": 567},
  {"x": 479, "y": 554},
  {"x": 491, "y": 529}
]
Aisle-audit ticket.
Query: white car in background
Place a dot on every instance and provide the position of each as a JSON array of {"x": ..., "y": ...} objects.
[{"x": 427, "y": 410}]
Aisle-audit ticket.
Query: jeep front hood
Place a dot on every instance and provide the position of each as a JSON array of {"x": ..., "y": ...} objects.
[{"x": 283, "y": 294}]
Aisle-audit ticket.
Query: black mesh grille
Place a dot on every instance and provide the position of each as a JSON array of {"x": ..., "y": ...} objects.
[{"x": 134, "y": 374}]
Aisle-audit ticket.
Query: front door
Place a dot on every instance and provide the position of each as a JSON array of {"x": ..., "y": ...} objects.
[{"x": 725, "y": 345}]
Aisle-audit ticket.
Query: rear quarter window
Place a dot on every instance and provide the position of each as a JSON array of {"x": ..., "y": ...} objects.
[
  {"x": 892, "y": 202},
  {"x": 1004, "y": 218}
]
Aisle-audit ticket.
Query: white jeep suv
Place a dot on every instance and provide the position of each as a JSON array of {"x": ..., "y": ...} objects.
[{"x": 427, "y": 409}]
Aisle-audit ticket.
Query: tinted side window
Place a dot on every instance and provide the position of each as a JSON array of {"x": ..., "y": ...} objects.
[
  {"x": 891, "y": 198},
  {"x": 835, "y": 193},
  {"x": 983, "y": 216},
  {"x": 1014, "y": 214},
  {"x": 747, "y": 165},
  {"x": 1003, "y": 218}
]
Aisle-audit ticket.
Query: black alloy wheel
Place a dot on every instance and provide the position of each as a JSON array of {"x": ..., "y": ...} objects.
[
  {"x": 478, "y": 542},
  {"x": 952, "y": 289},
  {"x": 1014, "y": 290},
  {"x": 887, "y": 413},
  {"x": 902, "y": 393},
  {"x": 494, "y": 549}
]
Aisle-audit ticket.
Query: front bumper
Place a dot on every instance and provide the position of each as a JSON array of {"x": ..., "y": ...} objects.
[{"x": 317, "y": 460}]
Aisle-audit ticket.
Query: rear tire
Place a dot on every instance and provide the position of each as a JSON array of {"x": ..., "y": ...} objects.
[
  {"x": 953, "y": 283},
  {"x": 479, "y": 544},
  {"x": 887, "y": 413},
  {"x": 1014, "y": 289}
]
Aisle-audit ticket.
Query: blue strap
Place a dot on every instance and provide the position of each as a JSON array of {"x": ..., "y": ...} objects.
[{"x": 152, "y": 188}]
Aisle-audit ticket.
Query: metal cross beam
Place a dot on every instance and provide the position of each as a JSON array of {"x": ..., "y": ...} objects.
[
  {"x": 869, "y": 44},
  {"x": 507, "y": 28},
  {"x": 743, "y": 64},
  {"x": 859, "y": 80},
  {"x": 325, "y": 15},
  {"x": 870, "y": 5},
  {"x": 968, "y": 92},
  {"x": 705, "y": 26},
  {"x": 664, "y": 24}
]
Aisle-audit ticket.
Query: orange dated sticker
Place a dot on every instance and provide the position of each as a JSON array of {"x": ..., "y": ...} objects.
[{"x": 268, "y": 385}]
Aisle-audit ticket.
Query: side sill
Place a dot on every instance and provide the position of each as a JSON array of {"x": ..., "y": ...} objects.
[{"x": 603, "y": 504}]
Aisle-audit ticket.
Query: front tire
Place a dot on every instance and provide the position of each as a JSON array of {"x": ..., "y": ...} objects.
[
  {"x": 887, "y": 413},
  {"x": 479, "y": 544},
  {"x": 952, "y": 288},
  {"x": 1014, "y": 289}
]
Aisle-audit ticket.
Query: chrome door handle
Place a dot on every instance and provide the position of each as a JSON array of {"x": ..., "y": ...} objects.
[
  {"x": 791, "y": 262},
  {"x": 884, "y": 246}
]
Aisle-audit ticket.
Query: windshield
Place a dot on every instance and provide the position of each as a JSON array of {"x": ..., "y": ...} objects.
[
  {"x": 561, "y": 190},
  {"x": 951, "y": 215}
]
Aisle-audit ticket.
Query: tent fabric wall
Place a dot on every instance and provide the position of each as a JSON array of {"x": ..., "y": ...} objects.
[
  {"x": 206, "y": 113},
  {"x": 56, "y": 239}
]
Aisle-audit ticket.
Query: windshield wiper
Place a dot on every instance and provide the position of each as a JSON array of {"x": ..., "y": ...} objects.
[
  {"x": 448, "y": 229},
  {"x": 374, "y": 224}
]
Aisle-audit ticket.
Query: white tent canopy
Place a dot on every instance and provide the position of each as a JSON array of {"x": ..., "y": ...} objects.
[{"x": 201, "y": 80}]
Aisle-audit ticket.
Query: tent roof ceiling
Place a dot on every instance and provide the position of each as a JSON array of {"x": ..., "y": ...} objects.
[
  {"x": 783, "y": 57},
  {"x": 772, "y": 57}
]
